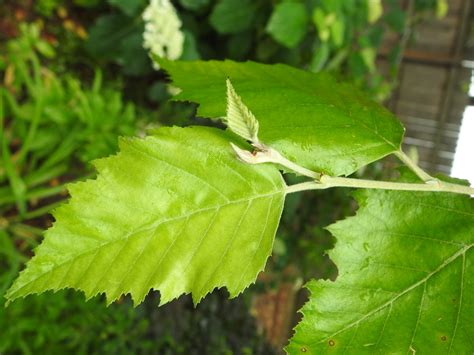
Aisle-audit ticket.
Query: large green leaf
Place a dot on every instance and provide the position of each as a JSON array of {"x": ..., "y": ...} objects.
[
  {"x": 406, "y": 279},
  {"x": 310, "y": 118},
  {"x": 175, "y": 212}
]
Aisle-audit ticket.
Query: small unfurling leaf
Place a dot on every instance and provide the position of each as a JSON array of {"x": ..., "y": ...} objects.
[{"x": 239, "y": 118}]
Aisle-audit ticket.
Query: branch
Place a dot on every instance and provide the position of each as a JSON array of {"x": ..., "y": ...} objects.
[
  {"x": 265, "y": 154},
  {"x": 327, "y": 182}
]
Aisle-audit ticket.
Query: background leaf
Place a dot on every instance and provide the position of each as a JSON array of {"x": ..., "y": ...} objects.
[
  {"x": 287, "y": 24},
  {"x": 232, "y": 16},
  {"x": 405, "y": 280},
  {"x": 175, "y": 212},
  {"x": 320, "y": 123},
  {"x": 106, "y": 33},
  {"x": 320, "y": 57},
  {"x": 374, "y": 9},
  {"x": 119, "y": 38}
]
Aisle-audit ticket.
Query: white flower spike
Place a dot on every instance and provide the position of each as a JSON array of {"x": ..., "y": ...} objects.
[{"x": 163, "y": 36}]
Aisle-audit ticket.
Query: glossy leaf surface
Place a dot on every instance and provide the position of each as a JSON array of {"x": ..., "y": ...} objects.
[
  {"x": 175, "y": 212},
  {"x": 310, "y": 118}
]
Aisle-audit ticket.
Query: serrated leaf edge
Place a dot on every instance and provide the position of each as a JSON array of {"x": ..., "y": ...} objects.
[{"x": 239, "y": 118}]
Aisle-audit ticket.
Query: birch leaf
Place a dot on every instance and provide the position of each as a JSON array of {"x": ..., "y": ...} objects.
[
  {"x": 406, "y": 279},
  {"x": 310, "y": 118},
  {"x": 175, "y": 212}
]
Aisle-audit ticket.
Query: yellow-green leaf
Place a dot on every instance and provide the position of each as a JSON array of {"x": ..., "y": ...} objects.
[{"x": 175, "y": 212}]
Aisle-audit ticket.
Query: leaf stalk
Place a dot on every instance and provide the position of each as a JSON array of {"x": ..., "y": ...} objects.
[
  {"x": 327, "y": 182},
  {"x": 266, "y": 154},
  {"x": 414, "y": 167}
]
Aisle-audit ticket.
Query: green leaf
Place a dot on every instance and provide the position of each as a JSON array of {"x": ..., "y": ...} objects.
[
  {"x": 374, "y": 10},
  {"x": 369, "y": 55},
  {"x": 119, "y": 38},
  {"x": 132, "y": 57},
  {"x": 107, "y": 32},
  {"x": 232, "y": 16},
  {"x": 45, "y": 49},
  {"x": 175, "y": 212},
  {"x": 405, "y": 284},
  {"x": 320, "y": 21},
  {"x": 323, "y": 125},
  {"x": 337, "y": 32},
  {"x": 333, "y": 5},
  {"x": 442, "y": 8},
  {"x": 239, "y": 118},
  {"x": 17, "y": 184},
  {"x": 287, "y": 24},
  {"x": 320, "y": 57}
]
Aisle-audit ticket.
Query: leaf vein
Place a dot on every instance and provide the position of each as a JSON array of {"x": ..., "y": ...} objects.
[
  {"x": 384, "y": 326},
  {"x": 264, "y": 229},
  {"x": 229, "y": 244},
  {"x": 203, "y": 181},
  {"x": 400, "y": 294},
  {"x": 460, "y": 302},
  {"x": 420, "y": 310}
]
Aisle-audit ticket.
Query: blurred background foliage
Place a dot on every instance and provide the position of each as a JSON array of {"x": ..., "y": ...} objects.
[{"x": 75, "y": 76}]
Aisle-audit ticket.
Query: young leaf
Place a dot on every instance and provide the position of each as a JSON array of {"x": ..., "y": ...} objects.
[
  {"x": 322, "y": 124},
  {"x": 175, "y": 212},
  {"x": 239, "y": 118},
  {"x": 406, "y": 279}
]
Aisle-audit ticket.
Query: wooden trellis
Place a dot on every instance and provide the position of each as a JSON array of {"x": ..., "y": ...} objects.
[{"x": 435, "y": 73}]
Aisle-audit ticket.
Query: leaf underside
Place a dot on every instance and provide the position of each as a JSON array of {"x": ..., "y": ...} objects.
[
  {"x": 174, "y": 212},
  {"x": 311, "y": 118},
  {"x": 405, "y": 285}
]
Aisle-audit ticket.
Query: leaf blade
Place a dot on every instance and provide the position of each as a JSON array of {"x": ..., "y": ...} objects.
[
  {"x": 323, "y": 125},
  {"x": 238, "y": 117},
  {"x": 403, "y": 287},
  {"x": 152, "y": 222}
]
